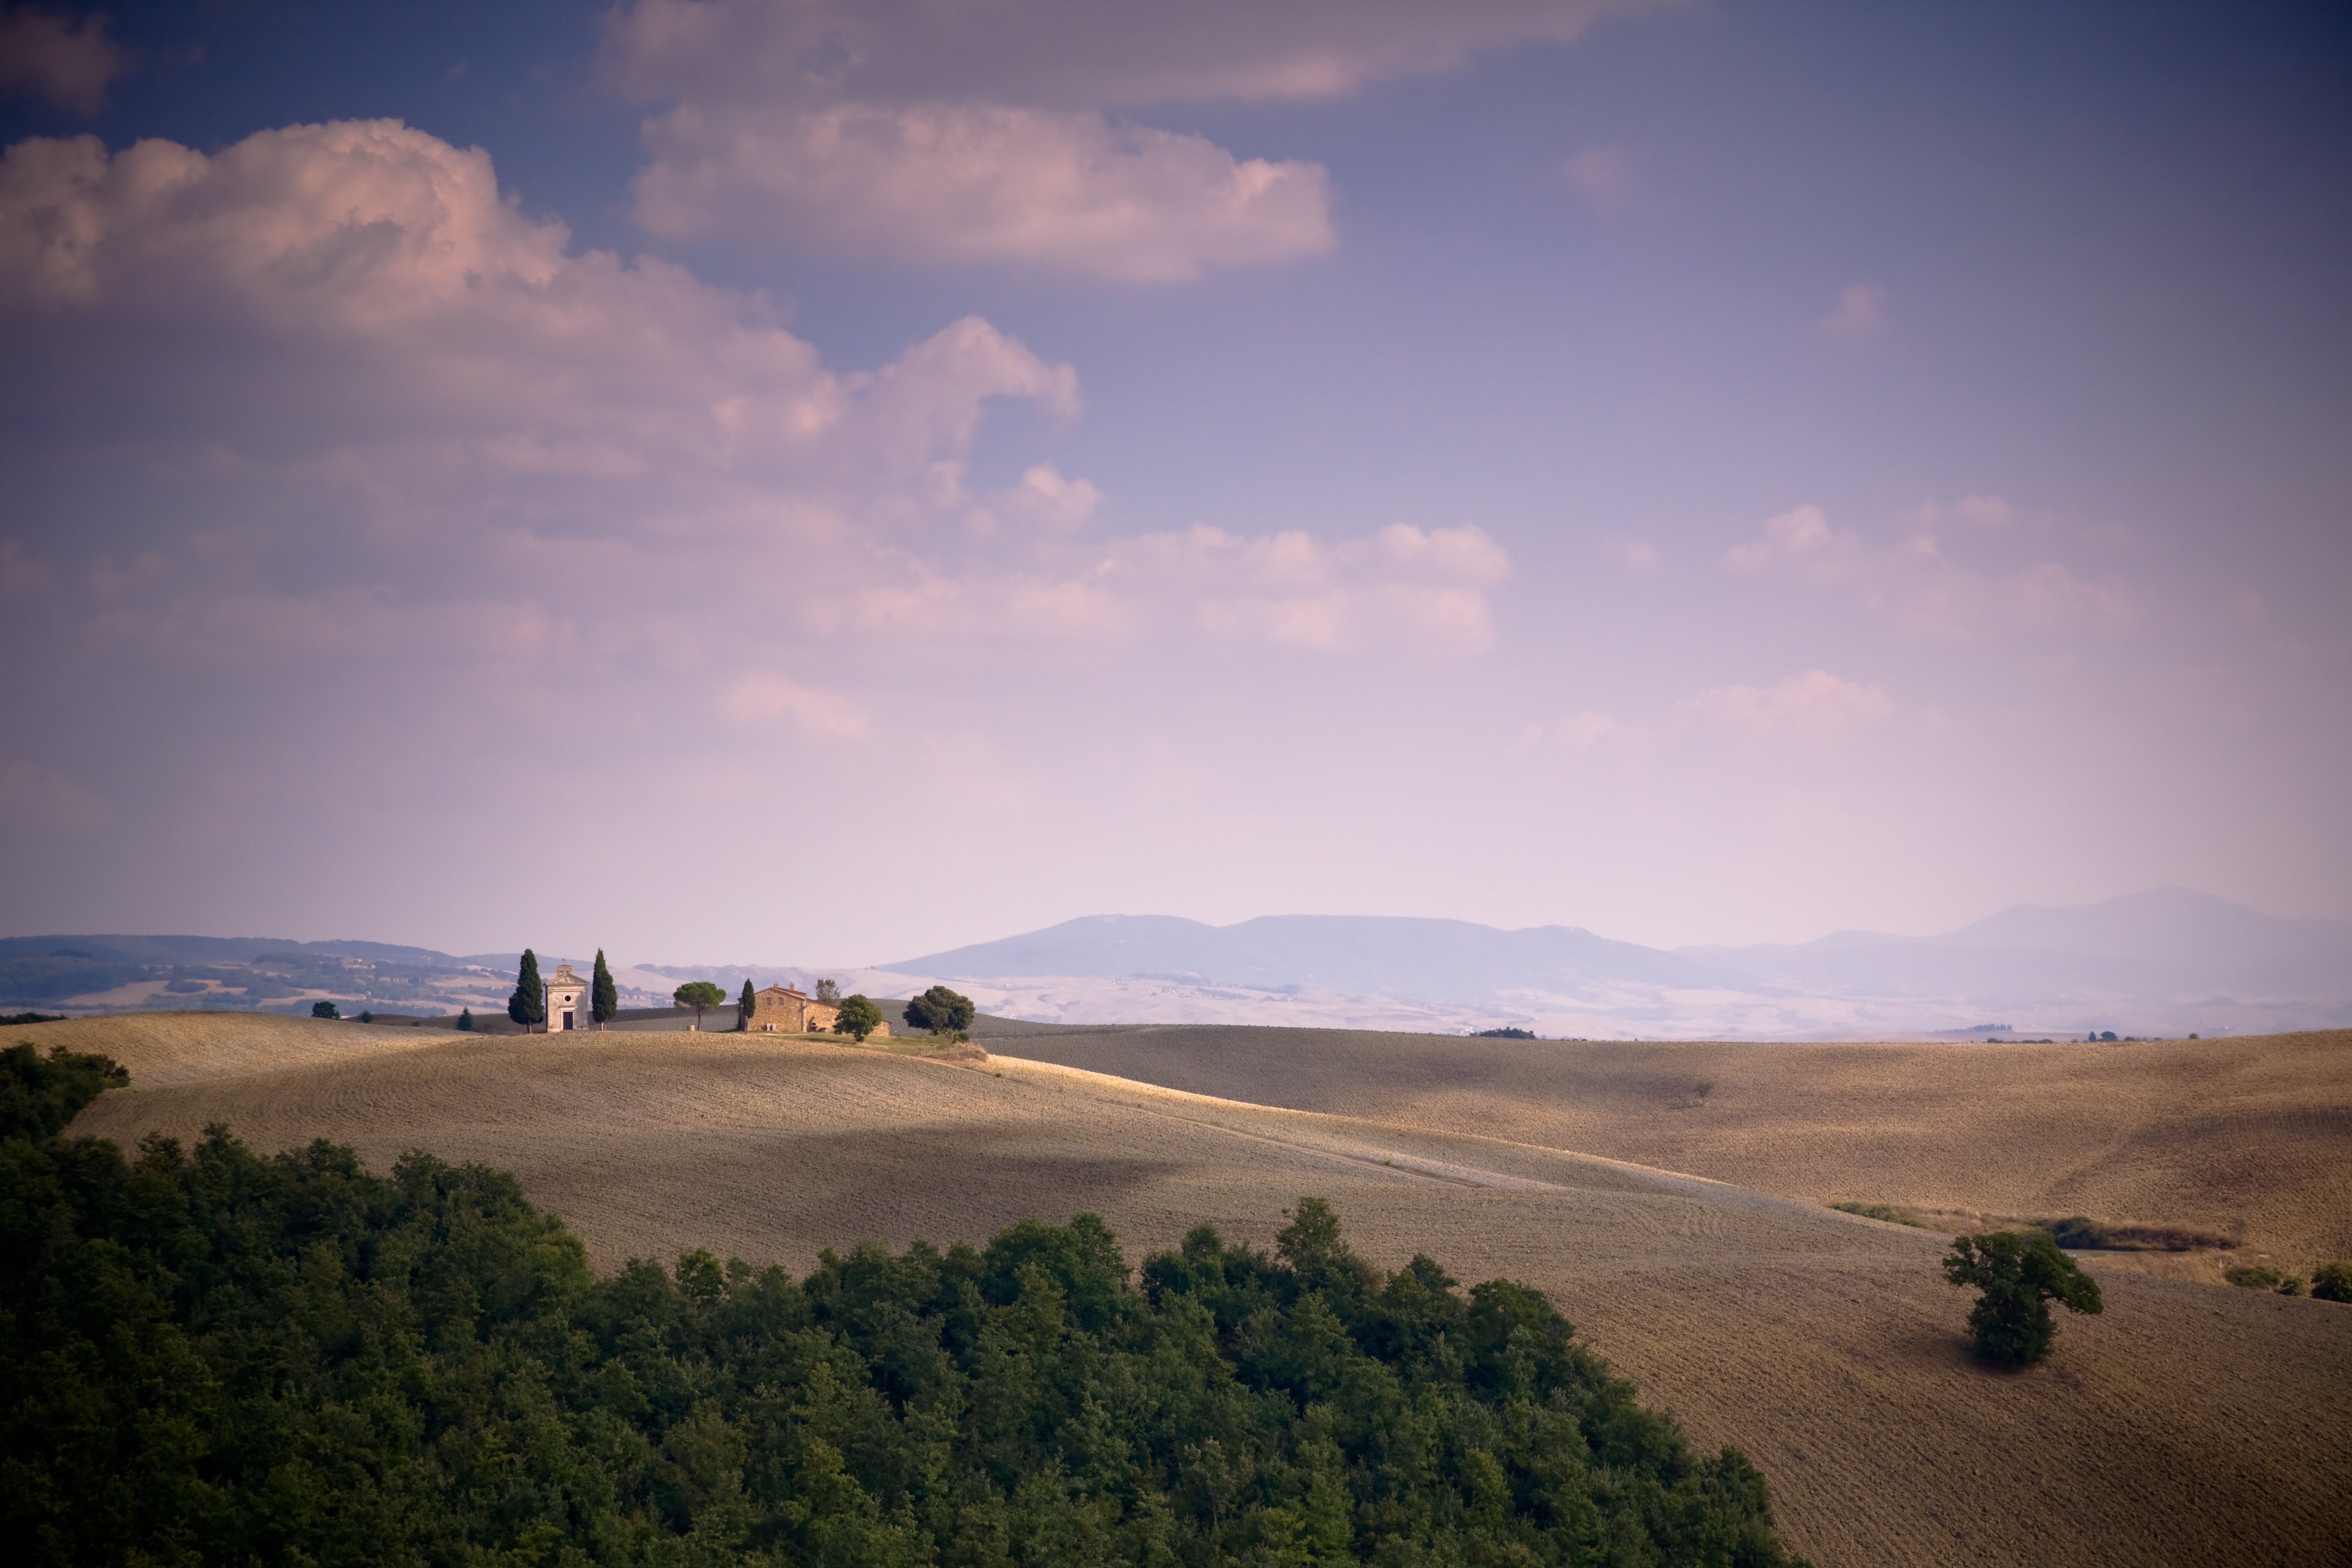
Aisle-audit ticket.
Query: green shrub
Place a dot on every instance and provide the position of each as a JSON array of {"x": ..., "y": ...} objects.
[
  {"x": 2332, "y": 1281},
  {"x": 2017, "y": 1274},
  {"x": 1887, "y": 1212},
  {"x": 2257, "y": 1277}
]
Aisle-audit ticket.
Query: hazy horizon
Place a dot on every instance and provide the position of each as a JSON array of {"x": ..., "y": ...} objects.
[{"x": 783, "y": 475}]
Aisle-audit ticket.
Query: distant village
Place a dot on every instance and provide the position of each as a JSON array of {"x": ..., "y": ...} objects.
[{"x": 381, "y": 984}]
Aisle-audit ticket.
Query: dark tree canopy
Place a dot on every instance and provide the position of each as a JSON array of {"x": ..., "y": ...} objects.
[
  {"x": 210, "y": 1356},
  {"x": 39, "y": 1094},
  {"x": 858, "y": 1017},
  {"x": 2020, "y": 1273},
  {"x": 466, "y": 1020},
  {"x": 604, "y": 996},
  {"x": 325, "y": 1010},
  {"x": 528, "y": 1005},
  {"x": 746, "y": 1005},
  {"x": 697, "y": 994},
  {"x": 940, "y": 1011}
]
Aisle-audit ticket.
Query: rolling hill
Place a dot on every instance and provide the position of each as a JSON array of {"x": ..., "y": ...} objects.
[{"x": 2189, "y": 1423}]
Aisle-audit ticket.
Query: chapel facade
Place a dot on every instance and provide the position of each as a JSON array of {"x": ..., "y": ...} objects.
[{"x": 566, "y": 997}]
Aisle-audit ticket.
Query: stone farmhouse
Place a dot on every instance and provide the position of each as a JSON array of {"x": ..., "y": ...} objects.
[{"x": 788, "y": 1010}]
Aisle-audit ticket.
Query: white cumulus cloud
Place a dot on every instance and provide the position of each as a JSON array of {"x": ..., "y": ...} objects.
[
  {"x": 962, "y": 134},
  {"x": 980, "y": 183},
  {"x": 1913, "y": 583}
]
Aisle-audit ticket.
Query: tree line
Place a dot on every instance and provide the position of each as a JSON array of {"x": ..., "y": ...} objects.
[{"x": 207, "y": 1355}]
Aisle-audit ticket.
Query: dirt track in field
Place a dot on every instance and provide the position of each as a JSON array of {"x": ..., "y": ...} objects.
[{"x": 2189, "y": 1423}]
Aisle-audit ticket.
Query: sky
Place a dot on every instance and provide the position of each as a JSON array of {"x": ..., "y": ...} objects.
[{"x": 821, "y": 483}]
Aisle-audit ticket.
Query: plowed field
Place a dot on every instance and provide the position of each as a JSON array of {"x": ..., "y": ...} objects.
[
  {"x": 2188, "y": 1424},
  {"x": 2250, "y": 1137}
]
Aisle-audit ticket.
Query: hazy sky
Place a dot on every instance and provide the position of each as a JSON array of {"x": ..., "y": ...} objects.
[{"x": 824, "y": 482}]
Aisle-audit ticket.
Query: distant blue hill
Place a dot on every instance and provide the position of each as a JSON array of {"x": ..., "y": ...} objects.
[
  {"x": 2172, "y": 941},
  {"x": 1374, "y": 954},
  {"x": 2169, "y": 942}
]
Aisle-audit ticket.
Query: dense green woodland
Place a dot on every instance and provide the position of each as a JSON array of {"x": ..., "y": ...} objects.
[{"x": 209, "y": 1356}]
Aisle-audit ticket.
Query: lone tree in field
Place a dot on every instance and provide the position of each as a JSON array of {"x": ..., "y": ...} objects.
[
  {"x": 941, "y": 1010},
  {"x": 697, "y": 994},
  {"x": 324, "y": 1010},
  {"x": 466, "y": 1020},
  {"x": 858, "y": 1017},
  {"x": 745, "y": 1005},
  {"x": 604, "y": 996},
  {"x": 528, "y": 1005},
  {"x": 828, "y": 992},
  {"x": 2018, "y": 1274}
]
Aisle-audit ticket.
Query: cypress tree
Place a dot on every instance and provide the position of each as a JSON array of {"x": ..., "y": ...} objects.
[
  {"x": 528, "y": 1005},
  {"x": 604, "y": 996},
  {"x": 745, "y": 1008}
]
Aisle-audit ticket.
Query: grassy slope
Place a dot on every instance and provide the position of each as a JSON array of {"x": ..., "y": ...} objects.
[{"x": 2188, "y": 1424}]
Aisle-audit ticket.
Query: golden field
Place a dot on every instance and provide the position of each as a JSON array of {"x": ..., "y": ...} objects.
[
  {"x": 2245, "y": 1137},
  {"x": 2190, "y": 1423}
]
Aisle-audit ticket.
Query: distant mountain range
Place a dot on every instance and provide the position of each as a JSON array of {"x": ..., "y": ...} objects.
[{"x": 2170, "y": 960}]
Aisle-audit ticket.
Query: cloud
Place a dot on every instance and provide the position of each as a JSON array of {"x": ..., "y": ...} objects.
[
  {"x": 1063, "y": 53},
  {"x": 1813, "y": 706},
  {"x": 1045, "y": 499},
  {"x": 1860, "y": 312},
  {"x": 384, "y": 415},
  {"x": 763, "y": 699},
  {"x": 1400, "y": 588},
  {"x": 331, "y": 292},
  {"x": 1581, "y": 729},
  {"x": 1426, "y": 588},
  {"x": 980, "y": 183},
  {"x": 1913, "y": 583},
  {"x": 1600, "y": 174},
  {"x": 50, "y": 56},
  {"x": 973, "y": 135}
]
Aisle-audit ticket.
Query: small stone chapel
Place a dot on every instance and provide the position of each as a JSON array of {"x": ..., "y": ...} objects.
[{"x": 566, "y": 1005}]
